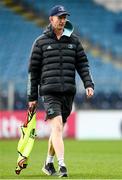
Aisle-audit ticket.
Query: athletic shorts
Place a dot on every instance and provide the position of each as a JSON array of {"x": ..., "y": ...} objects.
[{"x": 56, "y": 105}]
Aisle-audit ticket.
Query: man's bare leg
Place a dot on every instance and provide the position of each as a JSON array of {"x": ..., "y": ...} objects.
[
  {"x": 58, "y": 144},
  {"x": 55, "y": 146},
  {"x": 57, "y": 138},
  {"x": 48, "y": 167},
  {"x": 50, "y": 152}
]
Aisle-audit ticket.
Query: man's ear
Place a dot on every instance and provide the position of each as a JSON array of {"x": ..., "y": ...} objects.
[{"x": 50, "y": 18}]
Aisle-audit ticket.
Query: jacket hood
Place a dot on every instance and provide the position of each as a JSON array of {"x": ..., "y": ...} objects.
[{"x": 68, "y": 29}]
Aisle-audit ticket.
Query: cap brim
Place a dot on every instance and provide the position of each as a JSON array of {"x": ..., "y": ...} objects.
[{"x": 63, "y": 13}]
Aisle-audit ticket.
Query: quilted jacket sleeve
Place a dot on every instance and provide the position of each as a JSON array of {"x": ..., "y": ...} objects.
[
  {"x": 34, "y": 72},
  {"x": 82, "y": 67}
]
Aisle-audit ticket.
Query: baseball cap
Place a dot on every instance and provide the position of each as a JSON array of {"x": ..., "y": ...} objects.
[{"x": 58, "y": 10}]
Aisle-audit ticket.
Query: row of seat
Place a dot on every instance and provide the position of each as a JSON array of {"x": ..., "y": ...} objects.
[
  {"x": 92, "y": 20},
  {"x": 16, "y": 39},
  {"x": 101, "y": 100}
]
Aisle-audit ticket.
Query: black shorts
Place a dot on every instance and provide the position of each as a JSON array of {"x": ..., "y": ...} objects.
[{"x": 58, "y": 105}]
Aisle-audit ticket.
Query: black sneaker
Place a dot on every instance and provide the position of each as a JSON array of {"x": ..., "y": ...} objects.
[
  {"x": 49, "y": 169},
  {"x": 63, "y": 171}
]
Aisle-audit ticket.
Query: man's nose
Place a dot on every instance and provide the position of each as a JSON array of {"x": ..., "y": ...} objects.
[{"x": 63, "y": 19}]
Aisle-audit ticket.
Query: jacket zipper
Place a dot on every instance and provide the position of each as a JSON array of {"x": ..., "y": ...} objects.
[{"x": 61, "y": 68}]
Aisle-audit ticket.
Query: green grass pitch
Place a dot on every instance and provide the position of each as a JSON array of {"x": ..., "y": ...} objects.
[{"x": 84, "y": 159}]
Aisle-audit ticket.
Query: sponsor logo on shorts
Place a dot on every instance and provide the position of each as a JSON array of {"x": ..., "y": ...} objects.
[{"x": 50, "y": 111}]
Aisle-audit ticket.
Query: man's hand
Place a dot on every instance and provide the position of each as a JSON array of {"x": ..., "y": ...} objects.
[
  {"x": 89, "y": 92},
  {"x": 32, "y": 105}
]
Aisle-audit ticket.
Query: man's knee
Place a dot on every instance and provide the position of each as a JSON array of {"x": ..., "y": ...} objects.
[{"x": 57, "y": 124}]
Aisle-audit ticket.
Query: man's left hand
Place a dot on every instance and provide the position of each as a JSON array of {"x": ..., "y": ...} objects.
[{"x": 89, "y": 92}]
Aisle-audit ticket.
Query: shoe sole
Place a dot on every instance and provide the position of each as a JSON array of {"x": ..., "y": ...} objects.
[
  {"x": 63, "y": 175},
  {"x": 47, "y": 172}
]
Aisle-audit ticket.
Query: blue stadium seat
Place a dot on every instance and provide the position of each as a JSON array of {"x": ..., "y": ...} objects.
[
  {"x": 16, "y": 39},
  {"x": 93, "y": 21}
]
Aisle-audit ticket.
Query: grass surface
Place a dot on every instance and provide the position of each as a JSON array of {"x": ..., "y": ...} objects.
[{"x": 84, "y": 159}]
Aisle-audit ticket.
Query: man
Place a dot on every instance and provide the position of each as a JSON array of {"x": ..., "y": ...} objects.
[{"x": 55, "y": 57}]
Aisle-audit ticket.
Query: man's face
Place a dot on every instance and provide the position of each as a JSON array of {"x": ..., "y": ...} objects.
[{"x": 58, "y": 22}]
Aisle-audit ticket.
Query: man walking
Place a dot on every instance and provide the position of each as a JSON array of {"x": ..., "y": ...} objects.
[{"x": 55, "y": 58}]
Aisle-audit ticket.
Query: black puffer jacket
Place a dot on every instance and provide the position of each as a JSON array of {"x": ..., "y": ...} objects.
[{"x": 53, "y": 63}]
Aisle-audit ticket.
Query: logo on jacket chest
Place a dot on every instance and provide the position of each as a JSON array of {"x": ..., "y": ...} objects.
[
  {"x": 70, "y": 46},
  {"x": 49, "y": 47}
]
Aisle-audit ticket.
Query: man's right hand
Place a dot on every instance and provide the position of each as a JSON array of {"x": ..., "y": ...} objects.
[{"x": 32, "y": 105}]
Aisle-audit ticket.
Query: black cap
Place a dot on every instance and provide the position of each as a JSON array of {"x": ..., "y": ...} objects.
[{"x": 58, "y": 10}]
